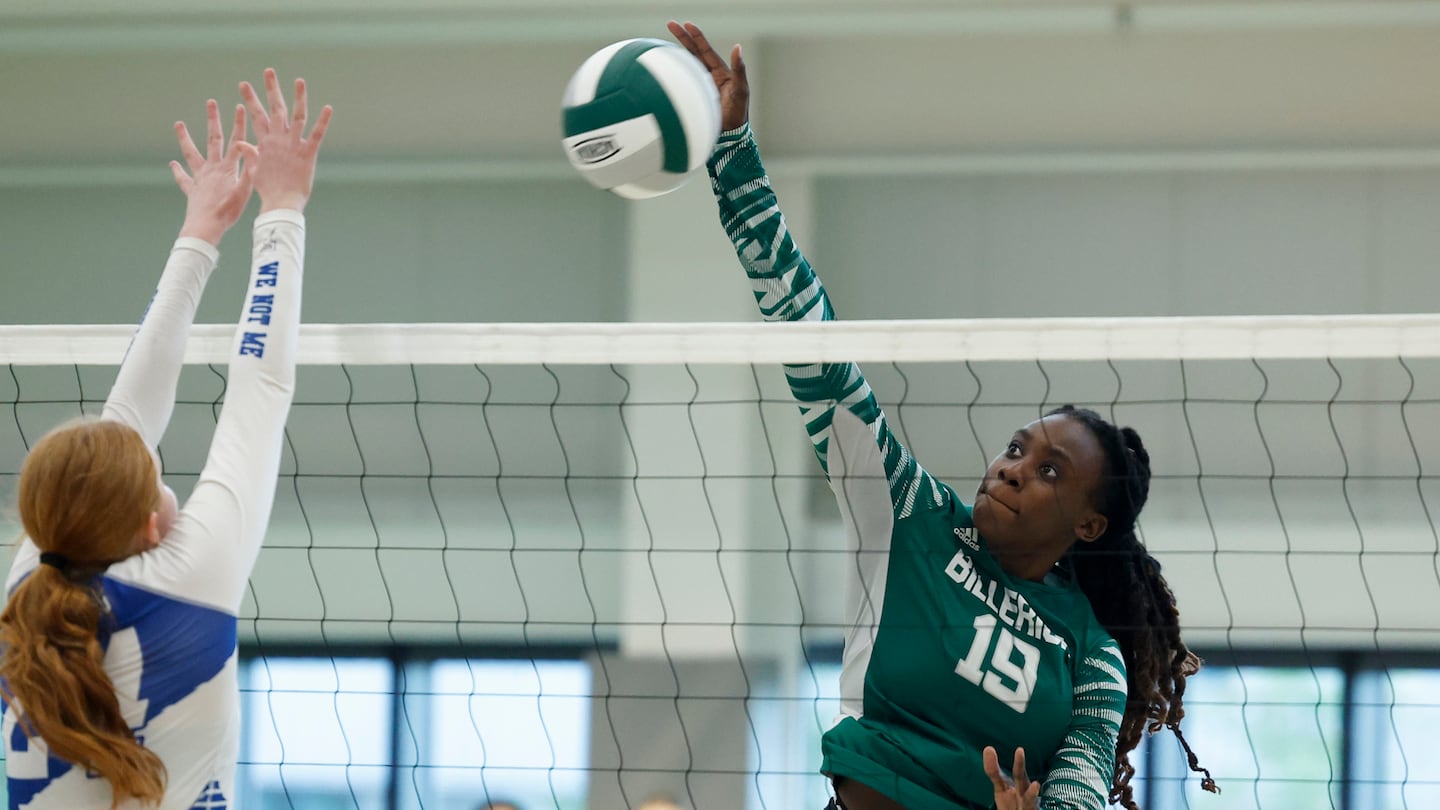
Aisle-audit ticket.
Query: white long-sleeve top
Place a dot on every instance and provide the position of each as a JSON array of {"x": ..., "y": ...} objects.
[{"x": 170, "y": 634}]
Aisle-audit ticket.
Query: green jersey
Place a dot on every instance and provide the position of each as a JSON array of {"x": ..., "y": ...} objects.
[{"x": 945, "y": 653}]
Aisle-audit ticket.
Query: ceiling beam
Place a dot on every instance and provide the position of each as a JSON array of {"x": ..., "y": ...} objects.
[{"x": 36, "y": 26}]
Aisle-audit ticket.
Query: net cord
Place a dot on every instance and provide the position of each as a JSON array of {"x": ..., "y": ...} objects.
[{"x": 978, "y": 340}]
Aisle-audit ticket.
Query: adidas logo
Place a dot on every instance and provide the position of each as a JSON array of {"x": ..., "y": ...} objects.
[{"x": 968, "y": 537}]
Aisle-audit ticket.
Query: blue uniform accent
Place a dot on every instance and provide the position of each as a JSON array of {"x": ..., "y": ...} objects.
[
  {"x": 182, "y": 645},
  {"x": 21, "y": 791},
  {"x": 211, "y": 798}
]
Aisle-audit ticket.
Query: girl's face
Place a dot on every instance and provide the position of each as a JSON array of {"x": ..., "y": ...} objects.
[{"x": 1041, "y": 490}]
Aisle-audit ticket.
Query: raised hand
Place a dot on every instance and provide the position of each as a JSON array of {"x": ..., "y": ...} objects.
[
  {"x": 218, "y": 183},
  {"x": 1023, "y": 794},
  {"x": 730, "y": 79},
  {"x": 287, "y": 157}
]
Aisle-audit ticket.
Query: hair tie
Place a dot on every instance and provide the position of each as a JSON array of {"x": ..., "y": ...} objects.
[{"x": 54, "y": 559}]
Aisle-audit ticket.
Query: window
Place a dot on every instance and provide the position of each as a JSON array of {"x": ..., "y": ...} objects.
[
  {"x": 1396, "y": 714},
  {"x": 1271, "y": 736},
  {"x": 485, "y": 730},
  {"x": 385, "y": 732},
  {"x": 316, "y": 732},
  {"x": 322, "y": 733}
]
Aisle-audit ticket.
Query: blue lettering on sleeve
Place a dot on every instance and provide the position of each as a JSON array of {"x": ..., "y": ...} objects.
[
  {"x": 268, "y": 275},
  {"x": 252, "y": 344},
  {"x": 260, "y": 308}
]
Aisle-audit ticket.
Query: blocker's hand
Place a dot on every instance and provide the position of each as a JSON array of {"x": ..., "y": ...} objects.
[
  {"x": 286, "y": 172},
  {"x": 729, "y": 79},
  {"x": 218, "y": 183},
  {"x": 1023, "y": 794}
]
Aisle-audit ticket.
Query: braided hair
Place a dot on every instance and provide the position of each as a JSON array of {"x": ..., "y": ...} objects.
[{"x": 1133, "y": 602}]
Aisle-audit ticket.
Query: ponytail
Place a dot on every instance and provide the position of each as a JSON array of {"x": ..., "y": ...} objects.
[
  {"x": 1134, "y": 603},
  {"x": 86, "y": 490},
  {"x": 55, "y": 680}
]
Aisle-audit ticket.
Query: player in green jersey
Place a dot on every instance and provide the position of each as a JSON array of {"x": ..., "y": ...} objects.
[{"x": 1033, "y": 622}]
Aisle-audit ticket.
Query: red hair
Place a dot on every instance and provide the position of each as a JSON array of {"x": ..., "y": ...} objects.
[{"x": 87, "y": 489}]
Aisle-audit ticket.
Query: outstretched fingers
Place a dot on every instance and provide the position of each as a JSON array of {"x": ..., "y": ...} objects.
[
  {"x": 219, "y": 182},
  {"x": 297, "y": 118},
  {"x": 992, "y": 769},
  {"x": 286, "y": 167},
  {"x": 192, "y": 155},
  {"x": 259, "y": 119},
  {"x": 1022, "y": 779},
  {"x": 276, "y": 98},
  {"x": 692, "y": 39},
  {"x": 214, "y": 135},
  {"x": 267, "y": 116},
  {"x": 317, "y": 134},
  {"x": 704, "y": 49},
  {"x": 682, "y": 36},
  {"x": 181, "y": 178},
  {"x": 247, "y": 152},
  {"x": 236, "y": 149}
]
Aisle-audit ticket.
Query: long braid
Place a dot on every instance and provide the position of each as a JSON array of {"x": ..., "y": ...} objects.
[{"x": 1134, "y": 603}]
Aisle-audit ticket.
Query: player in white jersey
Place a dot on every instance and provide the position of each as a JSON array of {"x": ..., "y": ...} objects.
[{"x": 119, "y": 632}]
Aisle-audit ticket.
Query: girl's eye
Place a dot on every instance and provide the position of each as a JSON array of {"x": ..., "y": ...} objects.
[
  {"x": 1012, "y": 449},
  {"x": 1049, "y": 471}
]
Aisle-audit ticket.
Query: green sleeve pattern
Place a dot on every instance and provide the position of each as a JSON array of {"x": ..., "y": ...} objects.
[
  {"x": 1081, "y": 771},
  {"x": 787, "y": 289}
]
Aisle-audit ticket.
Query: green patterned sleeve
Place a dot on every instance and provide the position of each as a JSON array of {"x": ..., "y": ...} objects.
[
  {"x": 1082, "y": 769},
  {"x": 787, "y": 289}
]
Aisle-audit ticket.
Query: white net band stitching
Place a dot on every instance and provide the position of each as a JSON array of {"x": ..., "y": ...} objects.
[{"x": 978, "y": 340}]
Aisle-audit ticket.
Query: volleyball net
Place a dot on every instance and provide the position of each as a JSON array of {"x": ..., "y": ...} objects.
[{"x": 578, "y": 563}]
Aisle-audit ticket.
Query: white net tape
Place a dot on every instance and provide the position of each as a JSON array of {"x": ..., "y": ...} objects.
[{"x": 985, "y": 340}]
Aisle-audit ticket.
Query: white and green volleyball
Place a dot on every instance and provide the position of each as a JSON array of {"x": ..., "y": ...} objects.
[{"x": 640, "y": 115}]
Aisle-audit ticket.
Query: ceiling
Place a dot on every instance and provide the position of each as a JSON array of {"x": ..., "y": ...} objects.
[{"x": 434, "y": 85}]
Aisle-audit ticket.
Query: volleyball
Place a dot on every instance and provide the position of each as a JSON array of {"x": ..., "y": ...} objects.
[{"x": 639, "y": 115}]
